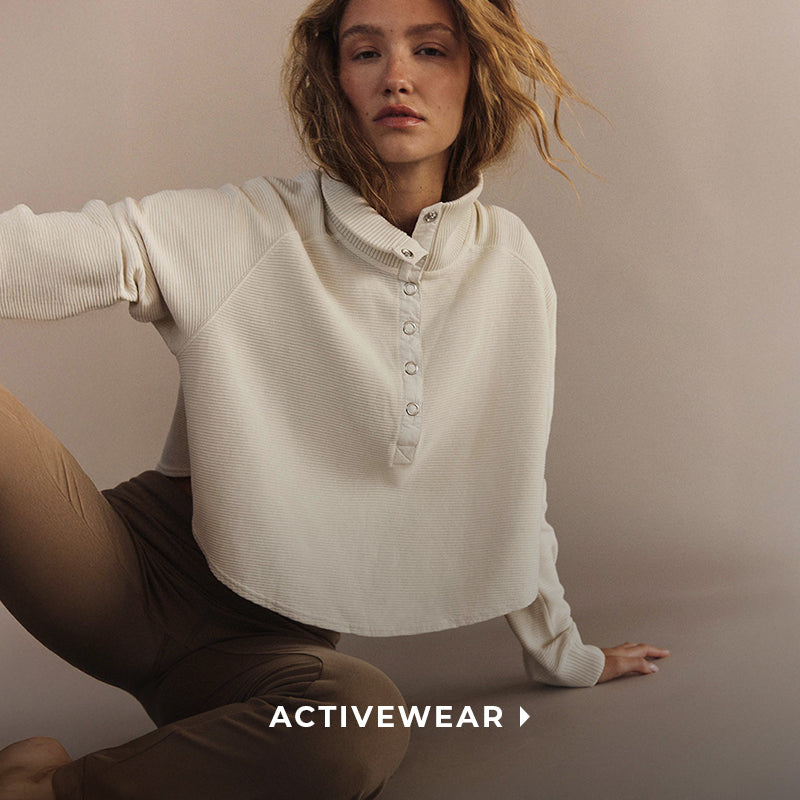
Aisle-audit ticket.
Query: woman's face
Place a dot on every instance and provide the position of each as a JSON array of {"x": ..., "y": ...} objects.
[{"x": 405, "y": 69}]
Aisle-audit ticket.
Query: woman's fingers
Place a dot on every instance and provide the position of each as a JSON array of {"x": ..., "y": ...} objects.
[
  {"x": 645, "y": 650},
  {"x": 628, "y": 658}
]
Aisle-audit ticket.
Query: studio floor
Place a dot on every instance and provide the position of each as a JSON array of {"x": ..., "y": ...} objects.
[{"x": 719, "y": 721}]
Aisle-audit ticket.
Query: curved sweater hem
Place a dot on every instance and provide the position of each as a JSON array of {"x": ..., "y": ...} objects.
[{"x": 365, "y": 629}]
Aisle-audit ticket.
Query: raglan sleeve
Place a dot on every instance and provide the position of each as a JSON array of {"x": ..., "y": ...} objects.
[
  {"x": 60, "y": 264},
  {"x": 552, "y": 649}
]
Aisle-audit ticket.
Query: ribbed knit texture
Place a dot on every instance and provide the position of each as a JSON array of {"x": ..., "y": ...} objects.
[{"x": 364, "y": 414}]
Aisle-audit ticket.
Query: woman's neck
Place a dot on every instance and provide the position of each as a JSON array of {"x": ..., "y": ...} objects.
[{"x": 411, "y": 192}]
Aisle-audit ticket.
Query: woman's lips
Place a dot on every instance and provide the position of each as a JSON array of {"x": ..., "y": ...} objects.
[
  {"x": 397, "y": 117},
  {"x": 398, "y": 122}
]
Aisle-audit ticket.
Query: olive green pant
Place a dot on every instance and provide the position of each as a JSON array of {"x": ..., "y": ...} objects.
[{"x": 114, "y": 583}]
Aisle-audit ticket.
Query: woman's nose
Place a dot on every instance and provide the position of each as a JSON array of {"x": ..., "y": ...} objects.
[{"x": 397, "y": 79}]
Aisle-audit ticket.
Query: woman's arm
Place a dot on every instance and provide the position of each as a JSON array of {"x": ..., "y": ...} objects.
[
  {"x": 552, "y": 649},
  {"x": 61, "y": 264},
  {"x": 174, "y": 256}
]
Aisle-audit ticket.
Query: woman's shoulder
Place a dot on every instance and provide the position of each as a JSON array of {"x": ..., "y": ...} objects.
[
  {"x": 499, "y": 227},
  {"x": 272, "y": 206},
  {"x": 302, "y": 188},
  {"x": 295, "y": 203}
]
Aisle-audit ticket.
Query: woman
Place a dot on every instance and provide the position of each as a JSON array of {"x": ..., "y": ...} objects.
[{"x": 366, "y": 359}]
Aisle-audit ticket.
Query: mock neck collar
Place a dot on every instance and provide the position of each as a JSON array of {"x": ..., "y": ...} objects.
[{"x": 441, "y": 232}]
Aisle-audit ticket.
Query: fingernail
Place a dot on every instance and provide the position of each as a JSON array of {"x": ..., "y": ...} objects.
[{"x": 653, "y": 668}]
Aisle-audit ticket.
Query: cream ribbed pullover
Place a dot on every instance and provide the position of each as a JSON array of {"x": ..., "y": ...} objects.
[{"x": 364, "y": 413}]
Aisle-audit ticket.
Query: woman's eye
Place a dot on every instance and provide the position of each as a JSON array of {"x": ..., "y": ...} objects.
[
  {"x": 365, "y": 54},
  {"x": 430, "y": 51}
]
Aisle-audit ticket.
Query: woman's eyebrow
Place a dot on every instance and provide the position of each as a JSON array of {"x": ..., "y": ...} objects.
[
  {"x": 414, "y": 30},
  {"x": 356, "y": 30}
]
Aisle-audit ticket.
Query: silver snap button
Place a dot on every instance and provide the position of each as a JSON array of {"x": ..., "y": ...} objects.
[
  {"x": 412, "y": 409},
  {"x": 431, "y": 216},
  {"x": 407, "y": 253},
  {"x": 409, "y": 327},
  {"x": 410, "y": 288},
  {"x": 411, "y": 368}
]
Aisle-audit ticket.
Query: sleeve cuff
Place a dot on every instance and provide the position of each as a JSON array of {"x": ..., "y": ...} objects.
[
  {"x": 577, "y": 665},
  {"x": 558, "y": 659}
]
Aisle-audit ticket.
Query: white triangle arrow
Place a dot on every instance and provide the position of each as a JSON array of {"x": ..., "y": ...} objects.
[{"x": 524, "y": 716}]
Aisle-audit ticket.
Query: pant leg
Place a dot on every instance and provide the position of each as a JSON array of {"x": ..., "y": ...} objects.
[
  {"x": 230, "y": 751},
  {"x": 68, "y": 568},
  {"x": 71, "y": 573}
]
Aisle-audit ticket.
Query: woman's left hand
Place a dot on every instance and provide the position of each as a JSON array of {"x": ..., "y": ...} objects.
[{"x": 628, "y": 658}]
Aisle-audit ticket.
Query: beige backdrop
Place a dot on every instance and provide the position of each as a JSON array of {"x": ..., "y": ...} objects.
[{"x": 673, "y": 461}]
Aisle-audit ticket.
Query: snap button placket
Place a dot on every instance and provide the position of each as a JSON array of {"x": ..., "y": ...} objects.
[{"x": 409, "y": 294}]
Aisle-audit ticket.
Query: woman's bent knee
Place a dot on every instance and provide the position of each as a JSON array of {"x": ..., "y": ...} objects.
[
  {"x": 373, "y": 740},
  {"x": 10, "y": 412},
  {"x": 18, "y": 436},
  {"x": 16, "y": 444},
  {"x": 36, "y": 464}
]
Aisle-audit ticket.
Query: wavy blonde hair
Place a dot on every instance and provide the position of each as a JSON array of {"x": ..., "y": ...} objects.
[{"x": 507, "y": 65}]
